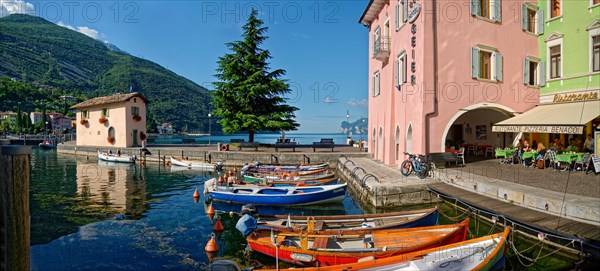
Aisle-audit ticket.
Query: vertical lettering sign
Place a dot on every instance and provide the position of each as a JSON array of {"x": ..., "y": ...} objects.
[{"x": 415, "y": 10}]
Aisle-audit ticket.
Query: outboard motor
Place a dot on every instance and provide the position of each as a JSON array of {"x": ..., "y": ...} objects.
[
  {"x": 246, "y": 225},
  {"x": 224, "y": 265},
  {"x": 219, "y": 166},
  {"x": 249, "y": 209}
]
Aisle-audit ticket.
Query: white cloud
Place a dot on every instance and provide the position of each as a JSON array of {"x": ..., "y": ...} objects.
[
  {"x": 328, "y": 100},
  {"x": 300, "y": 35},
  {"x": 92, "y": 33},
  {"x": 358, "y": 103},
  {"x": 8, "y": 7}
]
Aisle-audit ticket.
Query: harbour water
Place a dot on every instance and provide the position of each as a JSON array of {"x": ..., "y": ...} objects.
[{"x": 90, "y": 215}]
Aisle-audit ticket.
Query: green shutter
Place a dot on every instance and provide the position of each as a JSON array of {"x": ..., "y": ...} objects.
[
  {"x": 475, "y": 10},
  {"x": 540, "y": 22},
  {"x": 526, "y": 71},
  {"x": 474, "y": 62},
  {"x": 542, "y": 73},
  {"x": 497, "y": 10},
  {"x": 405, "y": 9},
  {"x": 524, "y": 20},
  {"x": 498, "y": 66},
  {"x": 373, "y": 83}
]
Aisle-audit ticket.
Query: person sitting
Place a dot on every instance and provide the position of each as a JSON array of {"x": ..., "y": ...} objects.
[
  {"x": 526, "y": 148},
  {"x": 119, "y": 152},
  {"x": 109, "y": 152},
  {"x": 541, "y": 150},
  {"x": 588, "y": 145}
]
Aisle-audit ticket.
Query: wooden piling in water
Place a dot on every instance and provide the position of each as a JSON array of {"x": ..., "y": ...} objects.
[{"x": 14, "y": 208}]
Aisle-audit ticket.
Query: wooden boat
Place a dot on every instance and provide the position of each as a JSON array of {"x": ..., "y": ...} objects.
[
  {"x": 280, "y": 196},
  {"x": 193, "y": 165},
  {"x": 336, "y": 223},
  {"x": 349, "y": 247},
  {"x": 286, "y": 168},
  {"x": 116, "y": 158},
  {"x": 483, "y": 253},
  {"x": 262, "y": 177}
]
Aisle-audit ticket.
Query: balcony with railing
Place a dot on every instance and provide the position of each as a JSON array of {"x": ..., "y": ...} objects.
[{"x": 381, "y": 48}]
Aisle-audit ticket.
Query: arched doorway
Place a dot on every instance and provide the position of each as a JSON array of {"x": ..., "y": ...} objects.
[
  {"x": 409, "y": 139},
  {"x": 380, "y": 144},
  {"x": 397, "y": 144},
  {"x": 473, "y": 125}
]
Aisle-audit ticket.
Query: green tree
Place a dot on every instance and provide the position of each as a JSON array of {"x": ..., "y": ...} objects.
[
  {"x": 248, "y": 97},
  {"x": 26, "y": 123},
  {"x": 19, "y": 120}
]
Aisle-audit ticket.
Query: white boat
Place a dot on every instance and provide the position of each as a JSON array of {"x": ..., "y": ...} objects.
[
  {"x": 192, "y": 165},
  {"x": 116, "y": 158}
]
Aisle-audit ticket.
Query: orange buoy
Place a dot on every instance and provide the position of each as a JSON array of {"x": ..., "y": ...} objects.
[
  {"x": 196, "y": 194},
  {"x": 196, "y": 200},
  {"x": 211, "y": 246},
  {"x": 211, "y": 256},
  {"x": 210, "y": 210},
  {"x": 218, "y": 225},
  {"x": 166, "y": 163}
]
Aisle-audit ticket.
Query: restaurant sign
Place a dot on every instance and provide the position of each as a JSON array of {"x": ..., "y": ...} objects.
[
  {"x": 554, "y": 129},
  {"x": 575, "y": 97}
]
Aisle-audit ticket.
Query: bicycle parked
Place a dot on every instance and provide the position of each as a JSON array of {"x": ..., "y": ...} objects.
[{"x": 415, "y": 163}]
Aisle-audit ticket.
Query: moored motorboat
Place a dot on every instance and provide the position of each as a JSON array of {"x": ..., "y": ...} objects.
[
  {"x": 348, "y": 247},
  {"x": 47, "y": 145},
  {"x": 116, "y": 158},
  {"x": 262, "y": 177},
  {"x": 333, "y": 224},
  {"x": 191, "y": 164},
  {"x": 281, "y": 196},
  {"x": 285, "y": 168}
]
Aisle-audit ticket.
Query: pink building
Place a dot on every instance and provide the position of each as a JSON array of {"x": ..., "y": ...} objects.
[{"x": 442, "y": 72}]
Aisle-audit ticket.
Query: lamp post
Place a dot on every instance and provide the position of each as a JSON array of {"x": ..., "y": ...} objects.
[
  {"x": 46, "y": 131},
  {"x": 209, "y": 128}
]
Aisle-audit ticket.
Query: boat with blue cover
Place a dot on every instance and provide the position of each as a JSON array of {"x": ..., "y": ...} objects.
[{"x": 280, "y": 196}]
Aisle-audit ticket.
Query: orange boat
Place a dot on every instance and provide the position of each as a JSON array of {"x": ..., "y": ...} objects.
[{"x": 349, "y": 247}]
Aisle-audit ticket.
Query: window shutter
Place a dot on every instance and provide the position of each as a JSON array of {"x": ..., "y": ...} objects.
[
  {"x": 373, "y": 83},
  {"x": 475, "y": 10},
  {"x": 540, "y": 22},
  {"x": 526, "y": 71},
  {"x": 498, "y": 66},
  {"x": 497, "y": 9},
  {"x": 397, "y": 16},
  {"x": 397, "y": 73},
  {"x": 542, "y": 73},
  {"x": 474, "y": 62},
  {"x": 524, "y": 20},
  {"x": 404, "y": 10},
  {"x": 404, "y": 69}
]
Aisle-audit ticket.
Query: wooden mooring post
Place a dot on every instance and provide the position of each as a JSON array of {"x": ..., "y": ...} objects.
[{"x": 14, "y": 208}]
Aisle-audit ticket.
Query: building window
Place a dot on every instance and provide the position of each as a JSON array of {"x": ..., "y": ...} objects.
[
  {"x": 534, "y": 72},
  {"x": 400, "y": 68},
  {"x": 376, "y": 81},
  {"x": 486, "y": 63},
  {"x": 596, "y": 53},
  {"x": 555, "y": 59},
  {"x": 105, "y": 113},
  {"x": 532, "y": 19},
  {"x": 555, "y": 8},
  {"x": 135, "y": 111},
  {"x": 488, "y": 9},
  {"x": 85, "y": 114}
]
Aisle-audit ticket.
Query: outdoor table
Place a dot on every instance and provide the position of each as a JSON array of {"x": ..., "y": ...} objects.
[
  {"x": 451, "y": 150},
  {"x": 529, "y": 154},
  {"x": 579, "y": 155},
  {"x": 566, "y": 158}
]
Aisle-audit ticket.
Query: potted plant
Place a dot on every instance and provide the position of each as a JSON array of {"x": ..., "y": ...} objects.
[
  {"x": 137, "y": 118},
  {"x": 142, "y": 136},
  {"x": 111, "y": 139},
  {"x": 83, "y": 121},
  {"x": 102, "y": 120}
]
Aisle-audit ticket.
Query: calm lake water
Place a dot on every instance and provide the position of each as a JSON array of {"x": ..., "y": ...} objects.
[
  {"x": 301, "y": 138},
  {"x": 91, "y": 215}
]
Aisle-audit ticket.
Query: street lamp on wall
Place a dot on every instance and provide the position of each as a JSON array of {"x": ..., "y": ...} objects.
[{"x": 209, "y": 127}]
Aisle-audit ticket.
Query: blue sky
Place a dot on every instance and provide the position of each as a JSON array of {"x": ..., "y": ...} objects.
[{"x": 320, "y": 44}]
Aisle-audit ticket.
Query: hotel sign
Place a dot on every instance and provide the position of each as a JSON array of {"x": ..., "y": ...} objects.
[
  {"x": 414, "y": 13},
  {"x": 554, "y": 129}
]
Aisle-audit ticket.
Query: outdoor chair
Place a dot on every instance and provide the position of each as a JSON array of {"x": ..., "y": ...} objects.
[
  {"x": 550, "y": 159},
  {"x": 453, "y": 148},
  {"x": 461, "y": 155},
  {"x": 489, "y": 150},
  {"x": 472, "y": 148},
  {"x": 584, "y": 162}
]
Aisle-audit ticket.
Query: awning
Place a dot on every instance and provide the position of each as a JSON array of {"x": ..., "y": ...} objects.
[{"x": 564, "y": 118}]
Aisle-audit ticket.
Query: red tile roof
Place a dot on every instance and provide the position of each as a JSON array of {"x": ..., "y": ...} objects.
[{"x": 117, "y": 98}]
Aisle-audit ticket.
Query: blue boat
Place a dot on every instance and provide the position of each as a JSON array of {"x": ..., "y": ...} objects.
[{"x": 278, "y": 196}]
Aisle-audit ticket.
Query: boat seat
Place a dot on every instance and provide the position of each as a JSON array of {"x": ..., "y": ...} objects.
[
  {"x": 320, "y": 242},
  {"x": 378, "y": 222},
  {"x": 319, "y": 225}
]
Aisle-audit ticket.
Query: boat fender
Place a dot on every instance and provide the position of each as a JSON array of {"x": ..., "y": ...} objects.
[
  {"x": 305, "y": 258},
  {"x": 224, "y": 265},
  {"x": 365, "y": 259}
]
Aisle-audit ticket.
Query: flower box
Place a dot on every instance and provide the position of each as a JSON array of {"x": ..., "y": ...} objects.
[
  {"x": 83, "y": 122},
  {"x": 103, "y": 120},
  {"x": 137, "y": 118},
  {"x": 110, "y": 139},
  {"x": 142, "y": 136}
]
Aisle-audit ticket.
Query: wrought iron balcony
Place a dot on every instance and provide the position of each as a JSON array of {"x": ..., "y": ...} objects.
[{"x": 381, "y": 48}]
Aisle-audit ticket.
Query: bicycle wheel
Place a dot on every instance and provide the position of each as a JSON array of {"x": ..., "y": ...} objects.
[
  {"x": 422, "y": 174},
  {"x": 406, "y": 168}
]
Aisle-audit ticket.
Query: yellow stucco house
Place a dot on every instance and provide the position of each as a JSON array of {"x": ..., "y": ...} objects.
[{"x": 117, "y": 121}]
